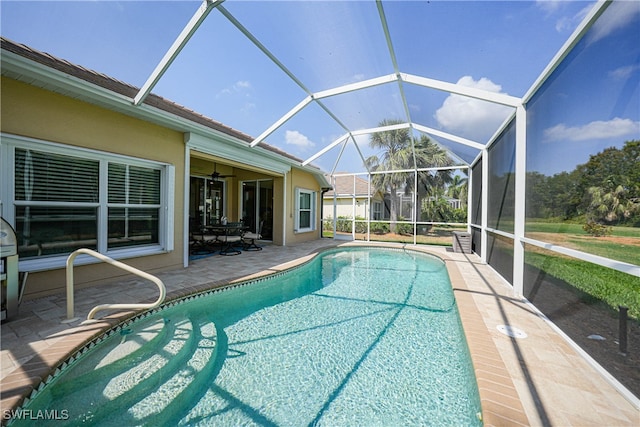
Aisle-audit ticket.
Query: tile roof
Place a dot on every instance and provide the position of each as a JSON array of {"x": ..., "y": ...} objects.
[
  {"x": 130, "y": 91},
  {"x": 344, "y": 186}
]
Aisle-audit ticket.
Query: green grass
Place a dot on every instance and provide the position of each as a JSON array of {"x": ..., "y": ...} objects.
[
  {"x": 554, "y": 227},
  {"x": 570, "y": 228},
  {"x": 612, "y": 287},
  {"x": 607, "y": 249},
  {"x": 626, "y": 232},
  {"x": 620, "y": 245}
]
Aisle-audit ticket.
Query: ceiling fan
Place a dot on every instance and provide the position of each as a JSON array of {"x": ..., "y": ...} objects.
[{"x": 215, "y": 175}]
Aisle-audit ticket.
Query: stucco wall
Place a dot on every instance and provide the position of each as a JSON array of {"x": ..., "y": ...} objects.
[
  {"x": 344, "y": 208},
  {"x": 37, "y": 113},
  {"x": 300, "y": 179}
]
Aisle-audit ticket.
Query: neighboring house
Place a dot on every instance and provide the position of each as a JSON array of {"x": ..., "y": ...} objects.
[
  {"x": 352, "y": 196},
  {"x": 82, "y": 166}
]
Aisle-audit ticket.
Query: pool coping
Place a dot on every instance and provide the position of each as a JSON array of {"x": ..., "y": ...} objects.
[{"x": 499, "y": 399}]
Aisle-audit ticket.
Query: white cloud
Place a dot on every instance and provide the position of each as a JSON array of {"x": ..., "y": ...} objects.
[
  {"x": 470, "y": 117},
  {"x": 570, "y": 23},
  {"x": 293, "y": 137},
  {"x": 248, "y": 106},
  {"x": 598, "y": 129},
  {"x": 241, "y": 86},
  {"x": 623, "y": 73},
  {"x": 618, "y": 15},
  {"x": 563, "y": 23},
  {"x": 549, "y": 6}
]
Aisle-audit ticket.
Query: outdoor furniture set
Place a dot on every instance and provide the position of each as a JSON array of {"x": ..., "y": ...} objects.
[{"x": 226, "y": 239}]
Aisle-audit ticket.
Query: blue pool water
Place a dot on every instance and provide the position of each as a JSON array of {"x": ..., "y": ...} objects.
[{"x": 363, "y": 336}]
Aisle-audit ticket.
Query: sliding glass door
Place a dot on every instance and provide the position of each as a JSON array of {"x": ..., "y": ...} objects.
[
  {"x": 257, "y": 206},
  {"x": 206, "y": 202}
]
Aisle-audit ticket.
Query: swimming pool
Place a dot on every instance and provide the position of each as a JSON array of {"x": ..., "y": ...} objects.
[{"x": 359, "y": 336}]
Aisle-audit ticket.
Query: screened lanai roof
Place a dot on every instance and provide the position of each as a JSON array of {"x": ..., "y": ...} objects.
[{"x": 316, "y": 78}]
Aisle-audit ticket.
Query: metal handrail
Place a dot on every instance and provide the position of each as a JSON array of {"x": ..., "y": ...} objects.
[{"x": 104, "y": 258}]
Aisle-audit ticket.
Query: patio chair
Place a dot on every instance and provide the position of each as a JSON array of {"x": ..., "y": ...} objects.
[
  {"x": 249, "y": 239},
  {"x": 202, "y": 240},
  {"x": 231, "y": 238}
]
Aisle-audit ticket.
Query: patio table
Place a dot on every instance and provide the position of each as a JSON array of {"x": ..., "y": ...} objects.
[{"x": 228, "y": 235}]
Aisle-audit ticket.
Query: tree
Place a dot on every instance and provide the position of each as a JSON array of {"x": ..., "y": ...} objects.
[
  {"x": 611, "y": 203},
  {"x": 606, "y": 188},
  {"x": 396, "y": 155},
  {"x": 457, "y": 188},
  {"x": 610, "y": 183},
  {"x": 431, "y": 184},
  {"x": 400, "y": 152}
]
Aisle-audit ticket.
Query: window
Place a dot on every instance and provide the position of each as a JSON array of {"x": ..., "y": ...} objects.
[
  {"x": 305, "y": 210},
  {"x": 377, "y": 210},
  {"x": 133, "y": 205},
  {"x": 70, "y": 198}
]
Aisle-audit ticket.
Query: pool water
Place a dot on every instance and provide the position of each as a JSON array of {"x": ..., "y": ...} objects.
[{"x": 362, "y": 336}]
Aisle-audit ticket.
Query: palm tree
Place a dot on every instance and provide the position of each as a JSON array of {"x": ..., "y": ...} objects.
[
  {"x": 430, "y": 155},
  {"x": 458, "y": 188},
  {"x": 400, "y": 151},
  {"x": 612, "y": 205},
  {"x": 397, "y": 154}
]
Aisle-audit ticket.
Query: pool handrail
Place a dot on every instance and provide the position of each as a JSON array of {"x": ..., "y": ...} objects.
[{"x": 123, "y": 266}]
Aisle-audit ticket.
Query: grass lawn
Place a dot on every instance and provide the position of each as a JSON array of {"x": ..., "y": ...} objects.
[
  {"x": 623, "y": 244},
  {"x": 613, "y": 287}
]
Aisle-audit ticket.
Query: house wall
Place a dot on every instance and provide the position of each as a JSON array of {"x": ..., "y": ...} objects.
[
  {"x": 37, "y": 113},
  {"x": 299, "y": 179},
  {"x": 344, "y": 207}
]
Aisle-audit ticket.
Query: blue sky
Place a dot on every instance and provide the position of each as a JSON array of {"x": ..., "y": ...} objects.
[{"x": 499, "y": 46}]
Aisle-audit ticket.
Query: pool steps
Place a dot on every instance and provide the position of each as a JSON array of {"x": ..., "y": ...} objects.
[
  {"x": 185, "y": 383},
  {"x": 113, "y": 360},
  {"x": 120, "y": 379},
  {"x": 127, "y": 375}
]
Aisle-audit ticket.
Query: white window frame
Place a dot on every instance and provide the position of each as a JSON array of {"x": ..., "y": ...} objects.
[
  {"x": 313, "y": 195},
  {"x": 377, "y": 211},
  {"x": 8, "y": 144}
]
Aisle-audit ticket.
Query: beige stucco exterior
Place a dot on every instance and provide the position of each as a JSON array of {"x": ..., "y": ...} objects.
[
  {"x": 32, "y": 112},
  {"x": 300, "y": 179},
  {"x": 36, "y": 113},
  {"x": 345, "y": 207}
]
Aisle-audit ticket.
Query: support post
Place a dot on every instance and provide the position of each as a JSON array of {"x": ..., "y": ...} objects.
[{"x": 622, "y": 329}]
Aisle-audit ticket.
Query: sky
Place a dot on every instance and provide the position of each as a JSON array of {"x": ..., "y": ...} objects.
[{"x": 496, "y": 46}]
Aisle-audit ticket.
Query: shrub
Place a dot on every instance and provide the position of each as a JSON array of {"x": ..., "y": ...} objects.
[
  {"x": 404, "y": 228},
  {"x": 379, "y": 227},
  {"x": 343, "y": 225},
  {"x": 596, "y": 229},
  {"x": 361, "y": 227}
]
